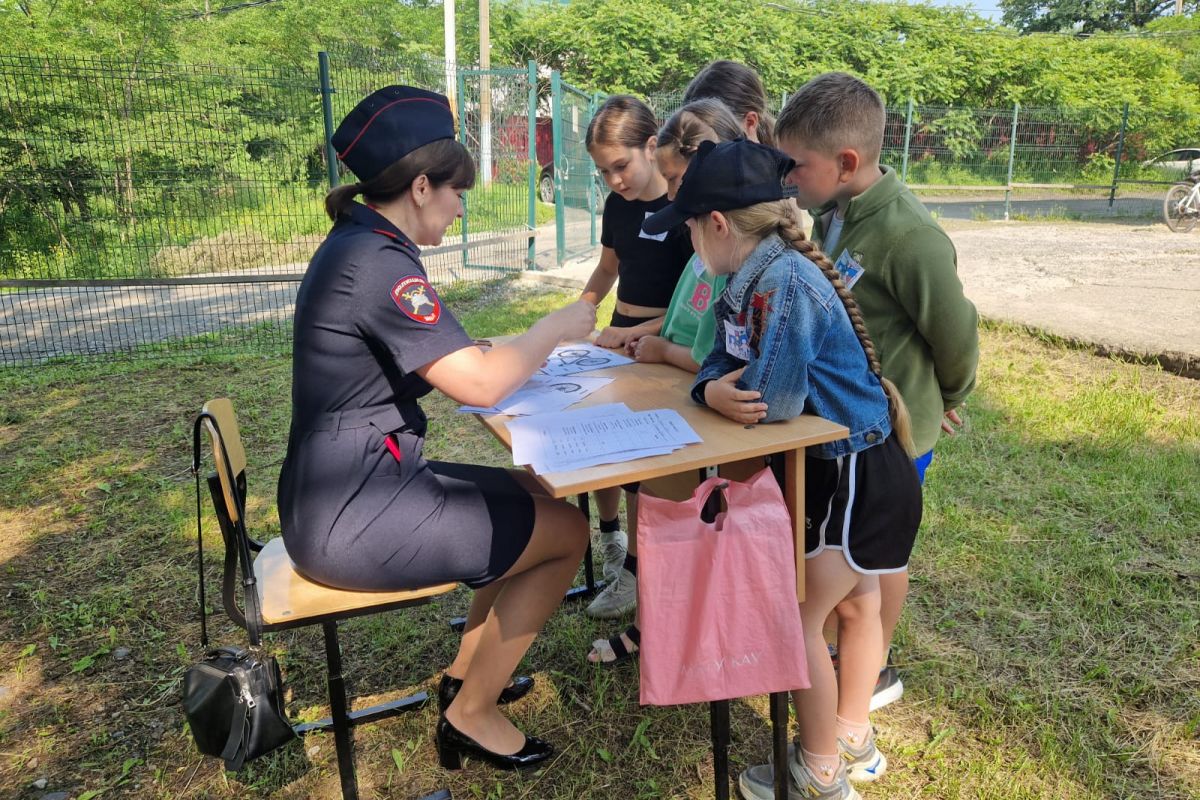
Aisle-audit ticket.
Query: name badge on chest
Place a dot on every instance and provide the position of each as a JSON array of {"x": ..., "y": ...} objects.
[
  {"x": 850, "y": 269},
  {"x": 737, "y": 341},
  {"x": 658, "y": 237}
]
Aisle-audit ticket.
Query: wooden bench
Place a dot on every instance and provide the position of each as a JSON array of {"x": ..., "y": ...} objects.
[{"x": 279, "y": 598}]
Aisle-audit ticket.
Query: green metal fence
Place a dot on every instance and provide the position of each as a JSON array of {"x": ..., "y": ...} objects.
[
  {"x": 151, "y": 203},
  {"x": 142, "y": 204},
  {"x": 579, "y": 191}
]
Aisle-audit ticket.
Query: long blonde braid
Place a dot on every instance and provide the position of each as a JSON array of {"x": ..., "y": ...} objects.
[{"x": 782, "y": 217}]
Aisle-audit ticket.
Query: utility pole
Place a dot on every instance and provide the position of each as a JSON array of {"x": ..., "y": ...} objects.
[
  {"x": 451, "y": 59},
  {"x": 1179, "y": 8},
  {"x": 485, "y": 91}
]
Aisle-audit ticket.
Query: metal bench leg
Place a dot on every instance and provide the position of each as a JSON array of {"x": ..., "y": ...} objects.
[
  {"x": 779, "y": 734},
  {"x": 590, "y": 585},
  {"x": 343, "y": 736},
  {"x": 718, "y": 711}
]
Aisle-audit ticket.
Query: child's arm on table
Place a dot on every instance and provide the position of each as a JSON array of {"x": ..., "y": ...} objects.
[
  {"x": 716, "y": 387},
  {"x": 794, "y": 323},
  {"x": 657, "y": 350}
]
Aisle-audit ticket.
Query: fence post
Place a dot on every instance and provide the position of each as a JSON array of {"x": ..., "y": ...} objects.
[
  {"x": 461, "y": 86},
  {"x": 907, "y": 139},
  {"x": 593, "y": 107},
  {"x": 1012, "y": 154},
  {"x": 1112, "y": 193},
  {"x": 531, "y": 257},
  {"x": 331, "y": 163},
  {"x": 560, "y": 210}
]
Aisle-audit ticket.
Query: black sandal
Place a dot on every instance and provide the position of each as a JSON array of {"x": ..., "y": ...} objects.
[{"x": 616, "y": 646}]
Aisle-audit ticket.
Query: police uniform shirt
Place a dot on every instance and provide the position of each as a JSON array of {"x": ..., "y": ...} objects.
[{"x": 366, "y": 319}]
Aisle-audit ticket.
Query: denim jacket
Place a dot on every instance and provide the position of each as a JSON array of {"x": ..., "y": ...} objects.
[{"x": 781, "y": 319}]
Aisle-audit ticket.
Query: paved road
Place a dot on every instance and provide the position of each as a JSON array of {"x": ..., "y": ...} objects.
[{"x": 1132, "y": 288}]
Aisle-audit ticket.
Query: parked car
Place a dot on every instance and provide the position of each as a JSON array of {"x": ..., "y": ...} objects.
[
  {"x": 1175, "y": 165},
  {"x": 512, "y": 136}
]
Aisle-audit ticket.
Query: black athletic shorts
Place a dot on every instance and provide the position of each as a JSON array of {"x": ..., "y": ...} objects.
[{"x": 866, "y": 504}]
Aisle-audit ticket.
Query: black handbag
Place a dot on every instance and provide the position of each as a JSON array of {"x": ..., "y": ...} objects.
[{"x": 233, "y": 698}]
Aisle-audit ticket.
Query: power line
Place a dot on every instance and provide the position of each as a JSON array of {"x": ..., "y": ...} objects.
[{"x": 228, "y": 9}]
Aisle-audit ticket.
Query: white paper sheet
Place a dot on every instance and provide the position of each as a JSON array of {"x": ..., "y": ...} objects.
[
  {"x": 567, "y": 359},
  {"x": 597, "y": 435},
  {"x": 543, "y": 394}
]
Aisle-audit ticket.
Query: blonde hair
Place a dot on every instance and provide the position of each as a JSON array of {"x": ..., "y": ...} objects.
[
  {"x": 832, "y": 111},
  {"x": 781, "y": 216},
  {"x": 707, "y": 120}
]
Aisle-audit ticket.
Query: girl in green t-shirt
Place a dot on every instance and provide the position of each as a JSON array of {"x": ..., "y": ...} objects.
[{"x": 689, "y": 328}]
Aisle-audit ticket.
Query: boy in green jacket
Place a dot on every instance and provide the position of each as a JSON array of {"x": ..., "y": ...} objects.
[{"x": 899, "y": 264}]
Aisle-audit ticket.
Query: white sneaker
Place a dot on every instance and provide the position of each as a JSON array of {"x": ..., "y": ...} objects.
[
  {"x": 617, "y": 599},
  {"x": 758, "y": 783},
  {"x": 864, "y": 763},
  {"x": 613, "y": 546}
]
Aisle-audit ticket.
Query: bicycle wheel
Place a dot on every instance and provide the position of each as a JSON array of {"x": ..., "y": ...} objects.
[{"x": 1176, "y": 212}]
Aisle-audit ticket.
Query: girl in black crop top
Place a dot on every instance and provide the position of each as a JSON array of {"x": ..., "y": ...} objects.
[{"x": 621, "y": 141}]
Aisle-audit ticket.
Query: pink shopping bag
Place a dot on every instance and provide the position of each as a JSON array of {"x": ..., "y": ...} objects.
[{"x": 719, "y": 616}]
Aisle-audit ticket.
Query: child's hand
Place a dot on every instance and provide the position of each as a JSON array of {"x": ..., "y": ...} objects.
[
  {"x": 952, "y": 423},
  {"x": 723, "y": 396},
  {"x": 613, "y": 337},
  {"x": 648, "y": 349}
]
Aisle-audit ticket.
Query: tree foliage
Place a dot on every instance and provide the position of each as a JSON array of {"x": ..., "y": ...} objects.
[{"x": 1086, "y": 16}]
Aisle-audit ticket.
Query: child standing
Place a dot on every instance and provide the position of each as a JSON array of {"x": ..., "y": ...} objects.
[
  {"x": 791, "y": 340},
  {"x": 621, "y": 141},
  {"x": 901, "y": 266},
  {"x": 739, "y": 87},
  {"x": 686, "y": 337}
]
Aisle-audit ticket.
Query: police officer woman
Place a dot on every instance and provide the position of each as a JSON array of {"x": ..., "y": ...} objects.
[{"x": 359, "y": 505}]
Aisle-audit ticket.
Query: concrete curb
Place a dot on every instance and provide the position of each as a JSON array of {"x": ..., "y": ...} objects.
[{"x": 574, "y": 275}]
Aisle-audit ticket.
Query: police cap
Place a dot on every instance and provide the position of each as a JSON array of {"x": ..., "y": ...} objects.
[{"x": 389, "y": 124}]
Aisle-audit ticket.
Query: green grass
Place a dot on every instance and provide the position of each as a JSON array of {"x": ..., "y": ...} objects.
[
  {"x": 1049, "y": 649},
  {"x": 221, "y": 231}
]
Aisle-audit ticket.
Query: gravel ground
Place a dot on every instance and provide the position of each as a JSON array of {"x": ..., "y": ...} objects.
[{"x": 1130, "y": 289}]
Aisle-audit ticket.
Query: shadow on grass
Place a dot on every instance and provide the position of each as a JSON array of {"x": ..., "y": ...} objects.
[{"x": 1048, "y": 652}]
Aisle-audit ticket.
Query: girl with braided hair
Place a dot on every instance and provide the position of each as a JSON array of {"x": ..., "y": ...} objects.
[{"x": 790, "y": 340}]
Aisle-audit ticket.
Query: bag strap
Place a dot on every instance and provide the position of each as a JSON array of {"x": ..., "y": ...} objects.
[
  {"x": 253, "y": 615},
  {"x": 199, "y": 529},
  {"x": 234, "y": 743}
]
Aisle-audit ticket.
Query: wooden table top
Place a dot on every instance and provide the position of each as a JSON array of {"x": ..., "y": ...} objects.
[{"x": 643, "y": 387}]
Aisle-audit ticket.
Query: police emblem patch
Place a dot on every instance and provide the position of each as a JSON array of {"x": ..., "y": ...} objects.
[{"x": 415, "y": 297}]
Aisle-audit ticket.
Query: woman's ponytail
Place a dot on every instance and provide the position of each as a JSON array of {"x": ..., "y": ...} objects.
[{"x": 340, "y": 198}]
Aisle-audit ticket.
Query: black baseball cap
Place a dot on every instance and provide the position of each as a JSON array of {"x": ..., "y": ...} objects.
[
  {"x": 389, "y": 124},
  {"x": 724, "y": 177}
]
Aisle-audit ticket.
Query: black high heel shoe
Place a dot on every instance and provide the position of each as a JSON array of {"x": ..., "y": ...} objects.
[
  {"x": 449, "y": 687},
  {"x": 452, "y": 745}
]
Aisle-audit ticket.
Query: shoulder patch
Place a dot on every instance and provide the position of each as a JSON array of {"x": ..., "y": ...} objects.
[{"x": 415, "y": 297}]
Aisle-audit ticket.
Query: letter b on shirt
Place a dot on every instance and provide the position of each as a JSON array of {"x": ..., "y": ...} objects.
[{"x": 701, "y": 297}]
